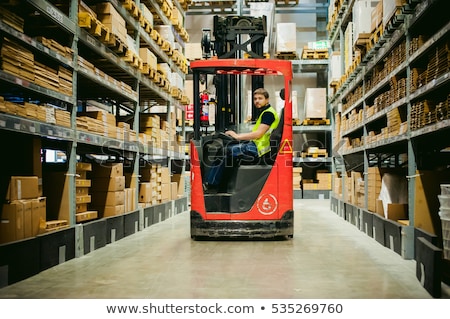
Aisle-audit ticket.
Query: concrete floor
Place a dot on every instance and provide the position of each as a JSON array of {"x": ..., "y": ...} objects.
[{"x": 327, "y": 258}]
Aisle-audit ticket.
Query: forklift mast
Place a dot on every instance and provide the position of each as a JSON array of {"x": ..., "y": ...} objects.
[{"x": 228, "y": 33}]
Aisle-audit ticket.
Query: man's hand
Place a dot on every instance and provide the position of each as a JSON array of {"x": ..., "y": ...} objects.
[{"x": 233, "y": 134}]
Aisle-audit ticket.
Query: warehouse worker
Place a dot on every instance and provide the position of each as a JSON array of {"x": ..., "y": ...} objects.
[{"x": 251, "y": 145}]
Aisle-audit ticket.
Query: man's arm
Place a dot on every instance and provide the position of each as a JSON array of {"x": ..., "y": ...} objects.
[{"x": 262, "y": 129}]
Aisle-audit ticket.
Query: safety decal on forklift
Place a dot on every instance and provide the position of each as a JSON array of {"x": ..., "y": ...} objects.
[
  {"x": 286, "y": 147},
  {"x": 267, "y": 204}
]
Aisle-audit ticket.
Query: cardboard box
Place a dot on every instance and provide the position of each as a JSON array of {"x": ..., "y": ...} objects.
[
  {"x": 397, "y": 211},
  {"x": 379, "y": 207},
  {"x": 129, "y": 199},
  {"x": 146, "y": 192},
  {"x": 27, "y": 217},
  {"x": 11, "y": 222},
  {"x": 107, "y": 170},
  {"x": 108, "y": 211},
  {"x": 165, "y": 175},
  {"x": 173, "y": 190},
  {"x": 108, "y": 198},
  {"x": 149, "y": 58},
  {"x": 38, "y": 215},
  {"x": 111, "y": 184},
  {"x": 179, "y": 179},
  {"x": 103, "y": 116},
  {"x": 165, "y": 192},
  {"x": 22, "y": 187},
  {"x": 310, "y": 186},
  {"x": 80, "y": 208}
]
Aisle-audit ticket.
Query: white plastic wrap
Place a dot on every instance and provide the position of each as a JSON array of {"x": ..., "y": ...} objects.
[
  {"x": 315, "y": 103},
  {"x": 286, "y": 37},
  {"x": 394, "y": 189},
  {"x": 258, "y": 9}
]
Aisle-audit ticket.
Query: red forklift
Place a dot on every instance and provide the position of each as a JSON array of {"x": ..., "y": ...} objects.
[{"x": 257, "y": 198}]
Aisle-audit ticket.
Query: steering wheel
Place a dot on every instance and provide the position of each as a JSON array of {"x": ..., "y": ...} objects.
[{"x": 225, "y": 137}]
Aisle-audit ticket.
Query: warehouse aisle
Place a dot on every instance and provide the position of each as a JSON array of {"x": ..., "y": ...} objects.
[{"x": 327, "y": 258}]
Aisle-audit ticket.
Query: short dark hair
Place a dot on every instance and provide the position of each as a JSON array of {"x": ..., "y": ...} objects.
[{"x": 262, "y": 91}]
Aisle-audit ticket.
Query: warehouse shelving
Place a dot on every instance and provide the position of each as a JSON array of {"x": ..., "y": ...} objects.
[
  {"x": 27, "y": 137},
  {"x": 419, "y": 146},
  {"x": 313, "y": 135}
]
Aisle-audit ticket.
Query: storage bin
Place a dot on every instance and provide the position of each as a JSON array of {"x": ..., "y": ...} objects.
[
  {"x": 444, "y": 200},
  {"x": 444, "y": 213},
  {"x": 446, "y": 236},
  {"x": 445, "y": 189}
]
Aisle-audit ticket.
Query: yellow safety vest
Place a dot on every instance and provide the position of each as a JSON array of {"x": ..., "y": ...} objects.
[{"x": 263, "y": 143}]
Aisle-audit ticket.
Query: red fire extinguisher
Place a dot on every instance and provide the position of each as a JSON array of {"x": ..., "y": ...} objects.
[{"x": 204, "y": 115}]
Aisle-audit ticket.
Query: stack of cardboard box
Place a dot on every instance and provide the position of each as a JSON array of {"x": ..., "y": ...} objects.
[
  {"x": 24, "y": 213},
  {"x": 165, "y": 194},
  {"x": 150, "y": 125},
  {"x": 337, "y": 185},
  {"x": 179, "y": 180},
  {"x": 148, "y": 187},
  {"x": 101, "y": 122},
  {"x": 108, "y": 189},
  {"x": 374, "y": 187},
  {"x": 296, "y": 177},
  {"x": 156, "y": 185},
  {"x": 83, "y": 198},
  {"x": 324, "y": 181}
]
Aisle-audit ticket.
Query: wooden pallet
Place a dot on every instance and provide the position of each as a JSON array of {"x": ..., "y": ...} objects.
[
  {"x": 93, "y": 26},
  {"x": 314, "y": 155},
  {"x": 165, "y": 46},
  {"x": 132, "y": 8},
  {"x": 86, "y": 216},
  {"x": 133, "y": 59},
  {"x": 117, "y": 45},
  {"x": 158, "y": 79},
  {"x": 312, "y": 121},
  {"x": 315, "y": 54},
  {"x": 156, "y": 37},
  {"x": 375, "y": 37},
  {"x": 148, "y": 70},
  {"x": 145, "y": 24},
  {"x": 292, "y": 55},
  {"x": 53, "y": 225},
  {"x": 185, "y": 100},
  {"x": 174, "y": 92},
  {"x": 286, "y": 2}
]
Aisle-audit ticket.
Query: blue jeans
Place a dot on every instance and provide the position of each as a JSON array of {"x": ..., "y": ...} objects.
[{"x": 246, "y": 149}]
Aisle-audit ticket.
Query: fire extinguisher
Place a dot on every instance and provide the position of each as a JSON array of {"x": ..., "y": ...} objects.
[{"x": 204, "y": 115}]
